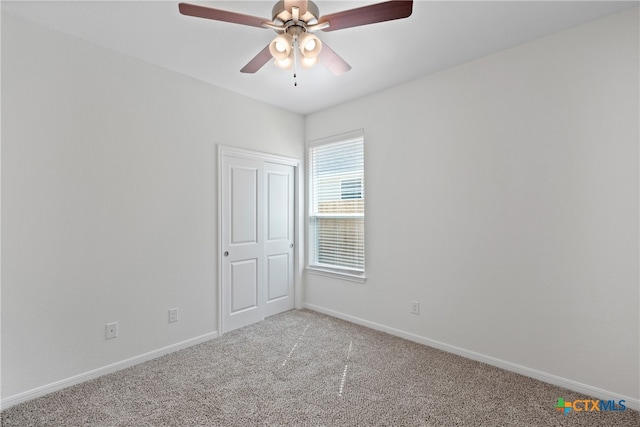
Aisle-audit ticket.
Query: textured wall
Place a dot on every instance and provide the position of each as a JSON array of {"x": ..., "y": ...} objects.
[
  {"x": 502, "y": 195},
  {"x": 109, "y": 211}
]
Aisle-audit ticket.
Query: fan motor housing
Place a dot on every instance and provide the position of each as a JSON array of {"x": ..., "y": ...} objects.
[{"x": 281, "y": 15}]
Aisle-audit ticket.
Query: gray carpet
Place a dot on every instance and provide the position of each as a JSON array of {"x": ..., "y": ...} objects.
[{"x": 301, "y": 368}]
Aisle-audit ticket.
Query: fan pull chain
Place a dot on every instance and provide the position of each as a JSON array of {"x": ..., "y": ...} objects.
[{"x": 295, "y": 61}]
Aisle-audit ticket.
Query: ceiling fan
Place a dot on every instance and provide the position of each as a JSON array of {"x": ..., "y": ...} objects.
[{"x": 295, "y": 21}]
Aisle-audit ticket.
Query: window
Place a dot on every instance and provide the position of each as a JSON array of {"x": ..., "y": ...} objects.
[{"x": 336, "y": 204}]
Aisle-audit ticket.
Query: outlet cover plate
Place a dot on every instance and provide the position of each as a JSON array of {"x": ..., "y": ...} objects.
[
  {"x": 415, "y": 307},
  {"x": 111, "y": 330}
]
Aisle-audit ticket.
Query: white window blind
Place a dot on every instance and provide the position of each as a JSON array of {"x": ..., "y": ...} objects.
[{"x": 336, "y": 196}]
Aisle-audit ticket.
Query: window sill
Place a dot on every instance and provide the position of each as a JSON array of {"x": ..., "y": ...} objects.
[{"x": 352, "y": 277}]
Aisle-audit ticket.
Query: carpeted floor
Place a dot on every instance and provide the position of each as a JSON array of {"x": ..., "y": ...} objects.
[{"x": 301, "y": 368}]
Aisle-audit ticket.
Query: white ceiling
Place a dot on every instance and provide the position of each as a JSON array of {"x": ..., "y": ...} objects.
[{"x": 438, "y": 35}]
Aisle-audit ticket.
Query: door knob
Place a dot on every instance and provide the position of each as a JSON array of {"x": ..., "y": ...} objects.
[
  {"x": 226, "y": 253},
  {"x": 291, "y": 245}
]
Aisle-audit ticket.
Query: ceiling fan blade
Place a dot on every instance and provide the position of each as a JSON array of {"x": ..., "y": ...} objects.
[
  {"x": 379, "y": 12},
  {"x": 258, "y": 61},
  {"x": 333, "y": 61},
  {"x": 220, "y": 15},
  {"x": 300, "y": 4}
]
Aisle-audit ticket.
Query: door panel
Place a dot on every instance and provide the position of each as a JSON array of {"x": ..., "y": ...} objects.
[
  {"x": 244, "y": 285},
  {"x": 277, "y": 197},
  {"x": 280, "y": 187},
  {"x": 244, "y": 205},
  {"x": 277, "y": 276},
  {"x": 242, "y": 246}
]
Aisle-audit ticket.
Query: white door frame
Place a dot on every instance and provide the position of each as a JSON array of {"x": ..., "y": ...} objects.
[{"x": 298, "y": 254}]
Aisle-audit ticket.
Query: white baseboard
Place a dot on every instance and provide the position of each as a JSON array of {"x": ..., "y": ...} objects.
[
  {"x": 86, "y": 376},
  {"x": 508, "y": 366}
]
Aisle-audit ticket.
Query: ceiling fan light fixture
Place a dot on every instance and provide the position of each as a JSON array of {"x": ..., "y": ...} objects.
[
  {"x": 280, "y": 47},
  {"x": 285, "y": 63},
  {"x": 308, "y": 62},
  {"x": 310, "y": 45}
]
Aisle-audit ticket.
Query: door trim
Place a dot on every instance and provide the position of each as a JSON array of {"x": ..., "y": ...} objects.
[{"x": 224, "y": 150}]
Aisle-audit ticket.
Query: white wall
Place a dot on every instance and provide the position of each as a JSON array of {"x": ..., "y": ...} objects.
[
  {"x": 109, "y": 210},
  {"x": 502, "y": 195}
]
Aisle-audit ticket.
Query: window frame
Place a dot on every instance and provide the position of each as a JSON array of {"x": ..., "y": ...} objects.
[{"x": 343, "y": 273}]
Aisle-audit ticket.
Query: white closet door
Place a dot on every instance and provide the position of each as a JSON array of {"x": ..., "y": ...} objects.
[
  {"x": 242, "y": 242},
  {"x": 279, "y": 237},
  {"x": 257, "y": 239}
]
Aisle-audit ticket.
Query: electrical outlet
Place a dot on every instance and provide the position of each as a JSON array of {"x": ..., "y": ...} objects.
[
  {"x": 415, "y": 307},
  {"x": 112, "y": 330},
  {"x": 173, "y": 315}
]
